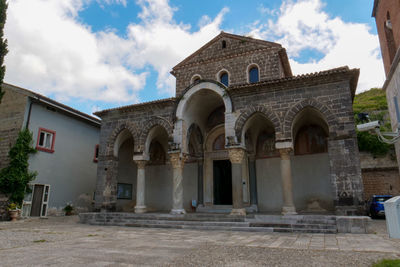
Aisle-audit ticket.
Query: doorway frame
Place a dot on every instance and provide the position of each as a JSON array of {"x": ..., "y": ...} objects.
[{"x": 27, "y": 202}]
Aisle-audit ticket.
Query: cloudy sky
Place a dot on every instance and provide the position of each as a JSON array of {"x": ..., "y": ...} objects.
[{"x": 98, "y": 54}]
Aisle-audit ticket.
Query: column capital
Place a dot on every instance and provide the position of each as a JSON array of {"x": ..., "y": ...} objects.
[
  {"x": 285, "y": 153},
  {"x": 141, "y": 164},
  {"x": 177, "y": 159},
  {"x": 236, "y": 155}
]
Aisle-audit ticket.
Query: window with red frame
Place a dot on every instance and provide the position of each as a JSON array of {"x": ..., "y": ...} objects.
[
  {"x": 96, "y": 153},
  {"x": 46, "y": 139}
]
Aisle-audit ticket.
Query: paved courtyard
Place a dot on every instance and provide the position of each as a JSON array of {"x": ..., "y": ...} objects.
[{"x": 62, "y": 241}]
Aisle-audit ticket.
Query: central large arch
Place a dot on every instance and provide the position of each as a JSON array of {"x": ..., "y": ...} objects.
[{"x": 196, "y": 105}]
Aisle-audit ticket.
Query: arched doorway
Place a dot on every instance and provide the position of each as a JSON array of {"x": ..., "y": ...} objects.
[
  {"x": 263, "y": 163},
  {"x": 126, "y": 175},
  {"x": 312, "y": 187},
  {"x": 158, "y": 186},
  {"x": 207, "y": 106}
]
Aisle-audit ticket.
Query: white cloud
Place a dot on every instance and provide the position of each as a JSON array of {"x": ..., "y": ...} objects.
[
  {"x": 52, "y": 52},
  {"x": 162, "y": 43},
  {"x": 304, "y": 25}
]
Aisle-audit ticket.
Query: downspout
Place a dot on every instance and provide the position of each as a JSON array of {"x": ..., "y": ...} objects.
[{"x": 29, "y": 114}]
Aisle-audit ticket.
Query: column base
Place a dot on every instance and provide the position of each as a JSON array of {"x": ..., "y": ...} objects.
[
  {"x": 289, "y": 210},
  {"x": 241, "y": 212},
  {"x": 178, "y": 211},
  {"x": 140, "y": 209}
]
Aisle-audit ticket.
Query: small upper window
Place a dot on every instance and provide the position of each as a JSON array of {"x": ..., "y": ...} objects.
[
  {"x": 46, "y": 139},
  {"x": 195, "y": 79},
  {"x": 224, "y": 78},
  {"x": 253, "y": 75},
  {"x": 96, "y": 153},
  {"x": 223, "y": 44}
]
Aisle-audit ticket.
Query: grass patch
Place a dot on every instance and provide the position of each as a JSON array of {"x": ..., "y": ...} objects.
[
  {"x": 373, "y": 99},
  {"x": 92, "y": 235},
  {"x": 39, "y": 241},
  {"x": 387, "y": 263}
]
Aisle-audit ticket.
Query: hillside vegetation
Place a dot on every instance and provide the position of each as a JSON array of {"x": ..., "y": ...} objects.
[
  {"x": 371, "y": 100},
  {"x": 374, "y": 103}
]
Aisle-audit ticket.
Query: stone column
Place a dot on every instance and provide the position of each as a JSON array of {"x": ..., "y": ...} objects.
[
  {"x": 140, "y": 188},
  {"x": 236, "y": 156},
  {"x": 200, "y": 190},
  {"x": 253, "y": 181},
  {"x": 286, "y": 173},
  {"x": 177, "y": 183}
]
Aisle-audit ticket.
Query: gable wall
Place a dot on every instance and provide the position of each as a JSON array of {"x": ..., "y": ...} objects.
[{"x": 235, "y": 58}]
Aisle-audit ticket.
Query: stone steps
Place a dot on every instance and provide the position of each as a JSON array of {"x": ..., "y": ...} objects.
[
  {"x": 183, "y": 223},
  {"x": 250, "y": 223},
  {"x": 297, "y": 225},
  {"x": 203, "y": 227}
]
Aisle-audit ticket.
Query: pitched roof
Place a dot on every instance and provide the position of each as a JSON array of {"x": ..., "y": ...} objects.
[
  {"x": 55, "y": 104},
  {"x": 227, "y": 35},
  {"x": 143, "y": 104}
]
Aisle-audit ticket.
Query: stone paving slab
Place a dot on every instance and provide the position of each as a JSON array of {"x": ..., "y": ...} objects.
[{"x": 64, "y": 242}]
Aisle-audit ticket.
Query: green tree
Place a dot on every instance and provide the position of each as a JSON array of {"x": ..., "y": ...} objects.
[
  {"x": 3, "y": 43},
  {"x": 15, "y": 177}
]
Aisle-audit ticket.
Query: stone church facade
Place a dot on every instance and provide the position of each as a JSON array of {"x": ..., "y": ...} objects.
[{"x": 241, "y": 135}]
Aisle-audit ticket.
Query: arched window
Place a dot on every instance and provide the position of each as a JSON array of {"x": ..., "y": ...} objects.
[
  {"x": 219, "y": 142},
  {"x": 223, "y": 44},
  {"x": 253, "y": 75},
  {"x": 195, "y": 79},
  {"x": 224, "y": 78},
  {"x": 310, "y": 139}
]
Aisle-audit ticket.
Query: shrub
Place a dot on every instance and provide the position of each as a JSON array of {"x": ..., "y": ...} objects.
[{"x": 15, "y": 177}]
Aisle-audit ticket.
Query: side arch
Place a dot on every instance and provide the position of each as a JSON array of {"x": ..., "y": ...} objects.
[
  {"x": 268, "y": 113},
  {"x": 121, "y": 126},
  {"x": 154, "y": 121},
  {"x": 291, "y": 114}
]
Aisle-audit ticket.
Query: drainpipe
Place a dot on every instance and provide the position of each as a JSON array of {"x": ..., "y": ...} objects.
[{"x": 29, "y": 114}]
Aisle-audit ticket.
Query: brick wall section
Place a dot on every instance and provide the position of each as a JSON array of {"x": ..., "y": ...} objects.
[
  {"x": 380, "y": 175},
  {"x": 381, "y": 182},
  {"x": 393, "y": 7},
  {"x": 12, "y": 111}
]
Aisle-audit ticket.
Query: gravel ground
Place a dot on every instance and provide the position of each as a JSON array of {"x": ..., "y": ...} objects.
[
  {"x": 62, "y": 241},
  {"x": 210, "y": 255}
]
